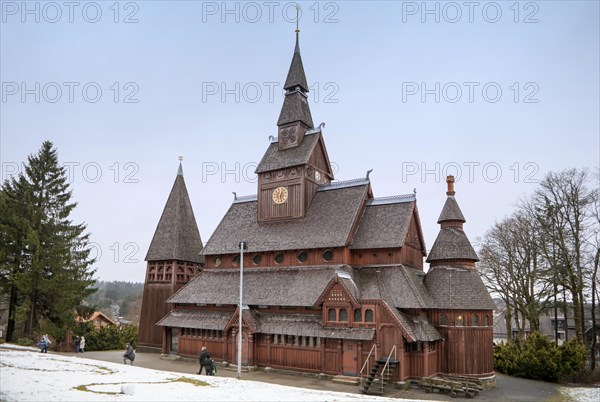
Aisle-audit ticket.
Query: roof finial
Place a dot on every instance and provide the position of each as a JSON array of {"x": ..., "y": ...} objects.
[
  {"x": 180, "y": 170},
  {"x": 369, "y": 173},
  {"x": 234, "y": 195},
  {"x": 450, "y": 181},
  {"x": 297, "y": 18}
]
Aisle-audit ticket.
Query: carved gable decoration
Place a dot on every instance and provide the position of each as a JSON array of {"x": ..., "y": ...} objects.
[
  {"x": 336, "y": 293},
  {"x": 248, "y": 321}
]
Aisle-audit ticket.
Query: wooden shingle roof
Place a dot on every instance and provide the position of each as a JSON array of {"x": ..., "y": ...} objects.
[
  {"x": 285, "y": 286},
  {"x": 327, "y": 223},
  {"x": 452, "y": 244},
  {"x": 307, "y": 325},
  {"x": 401, "y": 286},
  {"x": 295, "y": 108},
  {"x": 384, "y": 223},
  {"x": 276, "y": 158},
  {"x": 195, "y": 319},
  {"x": 451, "y": 211},
  {"x": 296, "y": 76},
  {"x": 456, "y": 288},
  {"x": 176, "y": 236}
]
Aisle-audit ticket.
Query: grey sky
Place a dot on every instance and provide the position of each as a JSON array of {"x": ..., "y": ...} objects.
[{"x": 401, "y": 93}]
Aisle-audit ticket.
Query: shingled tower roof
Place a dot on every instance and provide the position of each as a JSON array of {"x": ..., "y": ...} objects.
[
  {"x": 176, "y": 236},
  {"x": 295, "y": 105},
  {"x": 452, "y": 245}
]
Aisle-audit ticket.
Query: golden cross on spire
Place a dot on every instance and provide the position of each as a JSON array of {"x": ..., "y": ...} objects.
[
  {"x": 297, "y": 17},
  {"x": 180, "y": 158}
]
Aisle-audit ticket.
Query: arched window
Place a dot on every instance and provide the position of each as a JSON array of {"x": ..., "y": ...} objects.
[
  {"x": 357, "y": 315},
  {"x": 460, "y": 320},
  {"x": 368, "y": 315},
  {"x": 443, "y": 319},
  {"x": 474, "y": 320},
  {"x": 236, "y": 260},
  {"x": 279, "y": 258},
  {"x": 486, "y": 320},
  {"x": 331, "y": 316},
  {"x": 344, "y": 314},
  {"x": 256, "y": 259}
]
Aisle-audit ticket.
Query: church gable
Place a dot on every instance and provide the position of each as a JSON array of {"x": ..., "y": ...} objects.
[
  {"x": 338, "y": 293},
  {"x": 320, "y": 160}
]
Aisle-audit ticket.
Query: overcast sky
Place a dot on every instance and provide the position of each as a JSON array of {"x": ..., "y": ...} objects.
[{"x": 496, "y": 93}]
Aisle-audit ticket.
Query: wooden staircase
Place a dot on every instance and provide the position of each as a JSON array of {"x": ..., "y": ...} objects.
[{"x": 378, "y": 377}]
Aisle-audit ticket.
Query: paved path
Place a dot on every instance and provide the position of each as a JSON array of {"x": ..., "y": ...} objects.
[{"x": 508, "y": 389}]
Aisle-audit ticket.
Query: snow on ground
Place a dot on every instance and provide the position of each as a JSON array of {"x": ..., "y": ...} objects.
[
  {"x": 28, "y": 375},
  {"x": 581, "y": 394}
]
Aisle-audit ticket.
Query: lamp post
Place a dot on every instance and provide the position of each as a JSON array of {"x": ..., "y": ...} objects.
[{"x": 243, "y": 246}]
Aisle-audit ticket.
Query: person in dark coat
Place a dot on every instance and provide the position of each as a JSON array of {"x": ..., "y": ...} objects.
[
  {"x": 129, "y": 354},
  {"x": 76, "y": 344},
  {"x": 205, "y": 361}
]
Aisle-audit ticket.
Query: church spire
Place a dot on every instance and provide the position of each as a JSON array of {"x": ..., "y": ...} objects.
[
  {"x": 452, "y": 246},
  {"x": 295, "y": 118},
  {"x": 177, "y": 236}
]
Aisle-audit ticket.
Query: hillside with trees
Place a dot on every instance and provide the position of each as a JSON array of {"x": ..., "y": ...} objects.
[{"x": 118, "y": 299}]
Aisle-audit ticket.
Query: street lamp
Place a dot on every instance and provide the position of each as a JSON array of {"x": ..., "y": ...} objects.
[{"x": 243, "y": 246}]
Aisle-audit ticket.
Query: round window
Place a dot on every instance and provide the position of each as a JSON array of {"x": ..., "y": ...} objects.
[
  {"x": 328, "y": 255},
  {"x": 256, "y": 259},
  {"x": 236, "y": 260},
  {"x": 302, "y": 256},
  {"x": 217, "y": 262},
  {"x": 279, "y": 258}
]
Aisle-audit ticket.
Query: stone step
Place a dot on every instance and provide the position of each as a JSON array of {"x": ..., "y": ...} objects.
[{"x": 344, "y": 379}]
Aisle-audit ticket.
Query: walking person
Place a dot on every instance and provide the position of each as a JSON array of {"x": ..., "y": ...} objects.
[
  {"x": 205, "y": 361},
  {"x": 82, "y": 344},
  {"x": 44, "y": 343},
  {"x": 76, "y": 344},
  {"x": 129, "y": 354}
]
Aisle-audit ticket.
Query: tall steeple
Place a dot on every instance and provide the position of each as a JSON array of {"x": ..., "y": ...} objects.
[
  {"x": 295, "y": 118},
  {"x": 176, "y": 236},
  {"x": 452, "y": 247},
  {"x": 173, "y": 260}
]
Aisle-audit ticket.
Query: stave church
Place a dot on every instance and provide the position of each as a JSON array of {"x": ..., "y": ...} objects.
[{"x": 333, "y": 277}]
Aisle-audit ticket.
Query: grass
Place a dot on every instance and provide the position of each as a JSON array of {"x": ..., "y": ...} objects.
[{"x": 86, "y": 387}]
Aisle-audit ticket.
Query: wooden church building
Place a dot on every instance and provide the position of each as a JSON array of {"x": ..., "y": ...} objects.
[{"x": 333, "y": 277}]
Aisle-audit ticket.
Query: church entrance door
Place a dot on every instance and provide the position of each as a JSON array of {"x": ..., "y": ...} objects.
[{"x": 349, "y": 358}]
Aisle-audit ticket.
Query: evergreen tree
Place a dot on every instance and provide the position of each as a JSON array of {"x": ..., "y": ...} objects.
[{"x": 45, "y": 257}]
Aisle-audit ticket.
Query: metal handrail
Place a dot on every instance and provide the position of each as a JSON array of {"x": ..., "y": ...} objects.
[
  {"x": 387, "y": 365},
  {"x": 373, "y": 351}
]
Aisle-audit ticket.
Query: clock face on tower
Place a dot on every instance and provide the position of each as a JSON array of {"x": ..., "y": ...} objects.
[{"x": 280, "y": 195}]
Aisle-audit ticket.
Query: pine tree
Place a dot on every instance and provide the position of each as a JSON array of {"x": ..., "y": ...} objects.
[{"x": 48, "y": 256}]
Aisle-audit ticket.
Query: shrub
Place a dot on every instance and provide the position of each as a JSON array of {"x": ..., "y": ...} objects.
[
  {"x": 110, "y": 337},
  {"x": 538, "y": 358},
  {"x": 25, "y": 342}
]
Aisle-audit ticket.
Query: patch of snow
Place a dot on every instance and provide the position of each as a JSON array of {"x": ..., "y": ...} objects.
[
  {"x": 28, "y": 375},
  {"x": 581, "y": 394}
]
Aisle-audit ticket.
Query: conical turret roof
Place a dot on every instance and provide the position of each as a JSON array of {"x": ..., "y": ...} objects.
[{"x": 176, "y": 236}]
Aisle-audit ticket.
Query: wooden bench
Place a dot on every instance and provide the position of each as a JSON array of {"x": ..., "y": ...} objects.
[{"x": 453, "y": 387}]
